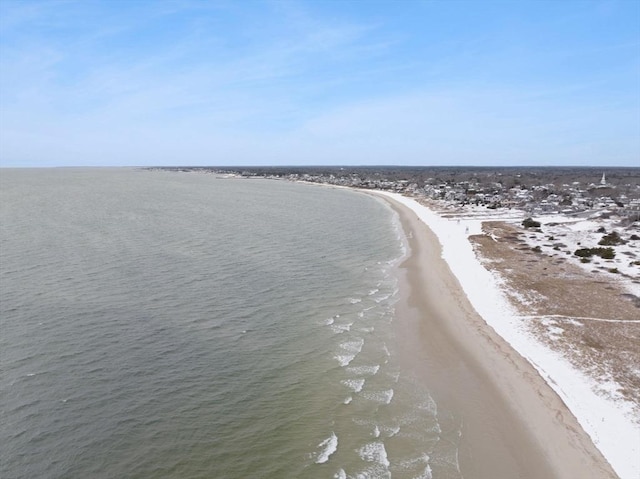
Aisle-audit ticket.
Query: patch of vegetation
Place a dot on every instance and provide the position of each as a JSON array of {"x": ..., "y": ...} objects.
[
  {"x": 601, "y": 230},
  {"x": 612, "y": 239},
  {"x": 530, "y": 223},
  {"x": 604, "y": 253},
  {"x": 634, "y": 237},
  {"x": 613, "y": 270},
  {"x": 536, "y": 249},
  {"x": 585, "y": 260}
]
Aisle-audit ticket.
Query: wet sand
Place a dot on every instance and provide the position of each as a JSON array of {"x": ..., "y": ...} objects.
[{"x": 513, "y": 424}]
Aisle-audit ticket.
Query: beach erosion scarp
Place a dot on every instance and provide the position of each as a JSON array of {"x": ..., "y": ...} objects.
[{"x": 609, "y": 423}]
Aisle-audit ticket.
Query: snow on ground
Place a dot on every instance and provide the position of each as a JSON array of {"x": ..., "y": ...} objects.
[
  {"x": 608, "y": 421},
  {"x": 562, "y": 236}
]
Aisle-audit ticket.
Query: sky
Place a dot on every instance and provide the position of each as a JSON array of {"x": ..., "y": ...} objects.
[{"x": 403, "y": 82}]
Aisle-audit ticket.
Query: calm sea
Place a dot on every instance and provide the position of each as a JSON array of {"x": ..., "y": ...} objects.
[{"x": 177, "y": 325}]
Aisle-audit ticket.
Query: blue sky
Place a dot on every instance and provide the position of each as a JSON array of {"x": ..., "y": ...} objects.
[{"x": 127, "y": 82}]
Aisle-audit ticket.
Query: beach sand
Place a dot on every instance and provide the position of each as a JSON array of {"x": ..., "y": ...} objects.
[{"x": 513, "y": 424}]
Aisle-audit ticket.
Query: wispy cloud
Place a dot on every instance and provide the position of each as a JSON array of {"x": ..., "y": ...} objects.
[
  {"x": 288, "y": 81},
  {"x": 228, "y": 82}
]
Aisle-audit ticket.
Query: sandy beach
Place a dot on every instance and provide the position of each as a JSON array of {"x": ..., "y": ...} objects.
[{"x": 513, "y": 423}]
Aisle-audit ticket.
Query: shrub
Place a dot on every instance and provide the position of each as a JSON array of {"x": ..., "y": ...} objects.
[
  {"x": 634, "y": 237},
  {"x": 530, "y": 223},
  {"x": 585, "y": 260},
  {"x": 536, "y": 249},
  {"x": 601, "y": 230},
  {"x": 604, "y": 253},
  {"x": 612, "y": 239},
  {"x": 613, "y": 270}
]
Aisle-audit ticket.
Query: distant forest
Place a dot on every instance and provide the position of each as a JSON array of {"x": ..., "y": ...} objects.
[{"x": 422, "y": 175}]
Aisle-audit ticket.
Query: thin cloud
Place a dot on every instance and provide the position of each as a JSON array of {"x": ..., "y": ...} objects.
[{"x": 296, "y": 82}]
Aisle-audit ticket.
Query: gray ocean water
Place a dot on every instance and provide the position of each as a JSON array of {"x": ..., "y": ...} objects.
[{"x": 178, "y": 325}]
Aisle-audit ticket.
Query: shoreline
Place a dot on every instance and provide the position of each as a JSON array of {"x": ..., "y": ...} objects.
[{"x": 515, "y": 423}]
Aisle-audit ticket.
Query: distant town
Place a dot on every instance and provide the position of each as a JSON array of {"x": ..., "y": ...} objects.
[{"x": 538, "y": 190}]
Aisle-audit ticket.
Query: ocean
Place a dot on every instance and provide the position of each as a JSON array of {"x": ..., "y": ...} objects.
[{"x": 177, "y": 325}]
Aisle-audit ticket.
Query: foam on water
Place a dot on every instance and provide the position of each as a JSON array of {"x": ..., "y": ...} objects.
[
  {"x": 421, "y": 463},
  {"x": 421, "y": 459},
  {"x": 340, "y": 474},
  {"x": 429, "y": 404},
  {"x": 354, "y": 384},
  {"x": 344, "y": 359},
  {"x": 391, "y": 431},
  {"x": 364, "y": 370},
  {"x": 380, "y": 429},
  {"x": 328, "y": 447},
  {"x": 374, "y": 452},
  {"x": 428, "y": 473},
  {"x": 364, "y": 311},
  {"x": 355, "y": 345},
  {"x": 341, "y": 328},
  {"x": 374, "y": 473},
  {"x": 383, "y": 397},
  {"x": 351, "y": 350},
  {"x": 383, "y": 297}
]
